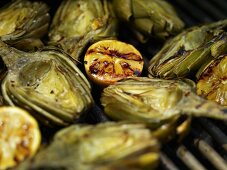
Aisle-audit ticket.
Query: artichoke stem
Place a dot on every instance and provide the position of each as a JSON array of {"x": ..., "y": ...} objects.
[{"x": 204, "y": 108}]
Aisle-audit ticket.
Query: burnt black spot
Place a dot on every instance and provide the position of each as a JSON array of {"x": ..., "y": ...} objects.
[
  {"x": 94, "y": 70},
  {"x": 90, "y": 51},
  {"x": 187, "y": 94},
  {"x": 85, "y": 62},
  {"x": 181, "y": 51},
  {"x": 52, "y": 92},
  {"x": 125, "y": 65},
  {"x": 137, "y": 72}
]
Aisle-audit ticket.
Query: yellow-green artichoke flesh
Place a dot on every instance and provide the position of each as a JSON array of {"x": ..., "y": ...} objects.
[
  {"x": 186, "y": 53},
  {"x": 106, "y": 146},
  {"x": 80, "y": 22},
  {"x": 47, "y": 83},
  {"x": 155, "y": 101}
]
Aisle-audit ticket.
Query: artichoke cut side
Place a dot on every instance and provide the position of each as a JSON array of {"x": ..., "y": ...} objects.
[
  {"x": 47, "y": 83},
  {"x": 212, "y": 82},
  {"x": 71, "y": 148},
  {"x": 23, "y": 23}
]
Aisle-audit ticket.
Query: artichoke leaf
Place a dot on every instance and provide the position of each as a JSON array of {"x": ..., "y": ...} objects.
[{"x": 154, "y": 18}]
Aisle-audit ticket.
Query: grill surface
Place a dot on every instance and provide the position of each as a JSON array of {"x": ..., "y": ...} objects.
[{"x": 205, "y": 147}]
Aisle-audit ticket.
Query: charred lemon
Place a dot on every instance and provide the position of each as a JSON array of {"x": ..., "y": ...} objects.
[
  {"x": 212, "y": 84},
  {"x": 19, "y": 136},
  {"x": 108, "y": 61}
]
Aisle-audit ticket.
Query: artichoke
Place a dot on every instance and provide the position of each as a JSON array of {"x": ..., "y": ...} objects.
[
  {"x": 108, "y": 61},
  {"x": 107, "y": 146},
  {"x": 20, "y": 136},
  {"x": 80, "y": 22},
  {"x": 156, "y": 101},
  {"x": 47, "y": 83},
  {"x": 212, "y": 82},
  {"x": 23, "y": 23},
  {"x": 155, "y": 18},
  {"x": 185, "y": 54}
]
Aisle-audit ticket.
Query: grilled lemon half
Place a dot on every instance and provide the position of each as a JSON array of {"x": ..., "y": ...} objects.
[
  {"x": 108, "y": 61},
  {"x": 20, "y": 136}
]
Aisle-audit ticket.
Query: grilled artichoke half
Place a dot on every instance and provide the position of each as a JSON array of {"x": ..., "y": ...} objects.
[
  {"x": 20, "y": 136},
  {"x": 80, "y": 22},
  {"x": 23, "y": 23},
  {"x": 46, "y": 82},
  {"x": 155, "y": 18},
  {"x": 155, "y": 101},
  {"x": 108, "y": 146},
  {"x": 185, "y": 54},
  {"x": 212, "y": 82}
]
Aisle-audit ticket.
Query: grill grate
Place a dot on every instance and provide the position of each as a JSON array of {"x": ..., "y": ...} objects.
[{"x": 206, "y": 145}]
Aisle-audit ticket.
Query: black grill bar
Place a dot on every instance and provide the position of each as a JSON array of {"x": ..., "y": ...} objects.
[
  {"x": 210, "y": 154},
  {"x": 205, "y": 147},
  {"x": 215, "y": 132},
  {"x": 210, "y": 9},
  {"x": 166, "y": 162},
  {"x": 221, "y": 4},
  {"x": 189, "y": 159},
  {"x": 193, "y": 11}
]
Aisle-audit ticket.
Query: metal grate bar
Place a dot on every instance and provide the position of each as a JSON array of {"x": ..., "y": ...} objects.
[
  {"x": 189, "y": 159},
  {"x": 221, "y": 4},
  {"x": 187, "y": 18},
  {"x": 166, "y": 163},
  {"x": 193, "y": 11},
  {"x": 210, "y": 9},
  {"x": 210, "y": 154},
  {"x": 215, "y": 132}
]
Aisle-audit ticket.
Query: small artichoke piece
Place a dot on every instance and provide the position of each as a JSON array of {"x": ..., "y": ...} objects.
[
  {"x": 212, "y": 82},
  {"x": 106, "y": 146},
  {"x": 108, "y": 61},
  {"x": 23, "y": 23},
  {"x": 78, "y": 23},
  {"x": 155, "y": 18},
  {"x": 19, "y": 136},
  {"x": 155, "y": 101},
  {"x": 183, "y": 55},
  {"x": 46, "y": 82}
]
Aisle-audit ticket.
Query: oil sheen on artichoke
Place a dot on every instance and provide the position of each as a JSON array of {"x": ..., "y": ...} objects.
[{"x": 212, "y": 84}]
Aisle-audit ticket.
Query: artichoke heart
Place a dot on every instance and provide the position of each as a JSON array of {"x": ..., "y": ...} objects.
[
  {"x": 80, "y": 22},
  {"x": 23, "y": 23},
  {"x": 46, "y": 82},
  {"x": 155, "y": 101},
  {"x": 105, "y": 146},
  {"x": 156, "y": 18},
  {"x": 212, "y": 82},
  {"x": 189, "y": 51}
]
